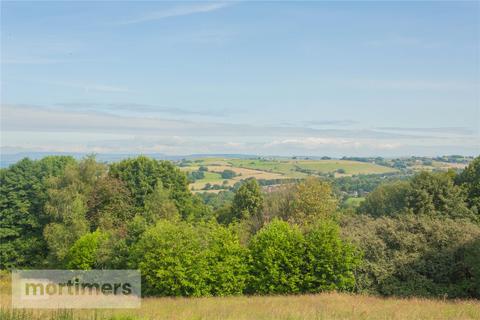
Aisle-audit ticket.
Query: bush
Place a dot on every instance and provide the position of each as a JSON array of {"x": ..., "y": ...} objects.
[
  {"x": 228, "y": 174},
  {"x": 180, "y": 259},
  {"x": 417, "y": 255},
  {"x": 227, "y": 262},
  {"x": 83, "y": 254},
  {"x": 277, "y": 252},
  {"x": 284, "y": 260},
  {"x": 329, "y": 261}
]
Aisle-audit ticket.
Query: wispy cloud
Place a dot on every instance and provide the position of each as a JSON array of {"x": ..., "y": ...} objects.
[
  {"x": 181, "y": 10},
  {"x": 46, "y": 128},
  {"x": 312, "y": 143},
  {"x": 140, "y": 109},
  {"x": 89, "y": 87},
  {"x": 48, "y": 119},
  {"x": 442, "y": 130},
  {"x": 330, "y": 123}
]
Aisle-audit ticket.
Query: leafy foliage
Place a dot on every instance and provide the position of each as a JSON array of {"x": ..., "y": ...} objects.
[
  {"x": 277, "y": 259},
  {"x": 83, "y": 255},
  {"x": 141, "y": 175},
  {"x": 469, "y": 179},
  {"x": 388, "y": 199},
  {"x": 285, "y": 260},
  {"x": 417, "y": 255},
  {"x": 248, "y": 200},
  {"x": 23, "y": 193},
  {"x": 330, "y": 262},
  {"x": 67, "y": 208},
  {"x": 180, "y": 259},
  {"x": 433, "y": 194},
  {"x": 228, "y": 174},
  {"x": 313, "y": 199},
  {"x": 417, "y": 237}
]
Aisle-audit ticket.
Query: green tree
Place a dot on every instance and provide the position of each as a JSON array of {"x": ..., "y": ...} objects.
[
  {"x": 142, "y": 174},
  {"x": 433, "y": 194},
  {"x": 66, "y": 206},
  {"x": 180, "y": 259},
  {"x": 411, "y": 255},
  {"x": 469, "y": 179},
  {"x": 195, "y": 175},
  {"x": 436, "y": 194},
  {"x": 110, "y": 204},
  {"x": 330, "y": 262},
  {"x": 23, "y": 193},
  {"x": 83, "y": 255},
  {"x": 228, "y": 174},
  {"x": 226, "y": 260},
  {"x": 158, "y": 205},
  {"x": 388, "y": 199},
  {"x": 248, "y": 200},
  {"x": 67, "y": 210},
  {"x": 313, "y": 199},
  {"x": 278, "y": 252}
]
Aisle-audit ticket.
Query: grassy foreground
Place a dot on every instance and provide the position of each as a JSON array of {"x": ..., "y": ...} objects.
[{"x": 321, "y": 306}]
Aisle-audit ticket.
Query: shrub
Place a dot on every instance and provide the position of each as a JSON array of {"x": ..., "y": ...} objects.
[
  {"x": 329, "y": 261},
  {"x": 180, "y": 259},
  {"x": 417, "y": 255},
  {"x": 284, "y": 260},
  {"x": 228, "y": 174},
  {"x": 83, "y": 254},
  {"x": 277, "y": 259},
  {"x": 226, "y": 260}
]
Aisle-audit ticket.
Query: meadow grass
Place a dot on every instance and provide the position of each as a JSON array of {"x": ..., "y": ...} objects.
[
  {"x": 320, "y": 306},
  {"x": 297, "y": 307}
]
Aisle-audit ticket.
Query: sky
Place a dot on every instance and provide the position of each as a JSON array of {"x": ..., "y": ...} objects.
[{"x": 319, "y": 78}]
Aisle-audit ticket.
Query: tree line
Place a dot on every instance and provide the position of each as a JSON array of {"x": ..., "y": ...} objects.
[{"x": 415, "y": 237}]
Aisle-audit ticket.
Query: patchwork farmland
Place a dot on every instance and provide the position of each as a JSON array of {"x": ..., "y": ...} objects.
[{"x": 270, "y": 169}]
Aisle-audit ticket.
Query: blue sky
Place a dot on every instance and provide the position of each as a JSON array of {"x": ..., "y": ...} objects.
[{"x": 269, "y": 78}]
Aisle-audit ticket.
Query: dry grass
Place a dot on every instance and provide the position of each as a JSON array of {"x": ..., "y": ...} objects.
[{"x": 321, "y": 306}]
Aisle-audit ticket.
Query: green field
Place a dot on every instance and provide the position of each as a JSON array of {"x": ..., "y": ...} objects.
[
  {"x": 278, "y": 169},
  {"x": 290, "y": 168},
  {"x": 354, "y": 202}
]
